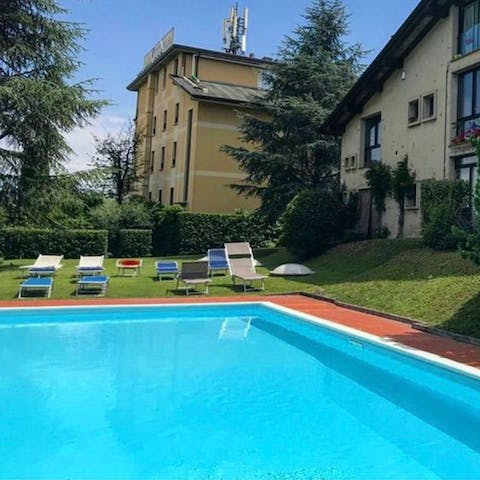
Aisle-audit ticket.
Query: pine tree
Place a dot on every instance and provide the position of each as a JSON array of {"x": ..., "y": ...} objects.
[
  {"x": 39, "y": 102},
  {"x": 288, "y": 153}
]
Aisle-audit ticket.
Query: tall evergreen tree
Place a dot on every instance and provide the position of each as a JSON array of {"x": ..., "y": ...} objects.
[
  {"x": 39, "y": 102},
  {"x": 288, "y": 151}
]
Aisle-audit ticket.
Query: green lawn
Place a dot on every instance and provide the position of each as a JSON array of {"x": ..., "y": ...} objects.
[{"x": 396, "y": 276}]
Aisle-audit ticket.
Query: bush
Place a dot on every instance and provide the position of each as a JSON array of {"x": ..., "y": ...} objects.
[
  {"x": 179, "y": 232},
  {"x": 132, "y": 243},
  {"x": 445, "y": 206},
  {"x": 30, "y": 242},
  {"x": 313, "y": 222},
  {"x": 166, "y": 239}
]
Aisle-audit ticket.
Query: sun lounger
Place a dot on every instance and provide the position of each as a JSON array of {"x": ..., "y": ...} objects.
[
  {"x": 45, "y": 265},
  {"x": 192, "y": 274},
  {"x": 217, "y": 261},
  {"x": 93, "y": 285},
  {"x": 244, "y": 269},
  {"x": 42, "y": 285},
  {"x": 129, "y": 266},
  {"x": 90, "y": 265},
  {"x": 166, "y": 268},
  {"x": 238, "y": 249}
]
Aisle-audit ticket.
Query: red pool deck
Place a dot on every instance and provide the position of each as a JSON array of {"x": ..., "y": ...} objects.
[{"x": 398, "y": 331}]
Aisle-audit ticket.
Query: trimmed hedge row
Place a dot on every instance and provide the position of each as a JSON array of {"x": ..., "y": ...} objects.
[
  {"x": 183, "y": 233},
  {"x": 132, "y": 243},
  {"x": 19, "y": 242}
]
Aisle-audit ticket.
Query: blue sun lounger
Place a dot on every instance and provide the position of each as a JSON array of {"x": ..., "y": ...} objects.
[
  {"x": 217, "y": 261},
  {"x": 96, "y": 285},
  {"x": 42, "y": 285},
  {"x": 166, "y": 268}
]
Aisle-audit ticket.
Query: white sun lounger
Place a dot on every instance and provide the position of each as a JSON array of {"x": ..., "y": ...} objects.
[{"x": 90, "y": 265}]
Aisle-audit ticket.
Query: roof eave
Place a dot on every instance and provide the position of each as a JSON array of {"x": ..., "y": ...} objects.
[{"x": 423, "y": 18}]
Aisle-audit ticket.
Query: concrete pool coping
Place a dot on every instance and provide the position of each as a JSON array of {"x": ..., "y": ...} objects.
[{"x": 393, "y": 333}]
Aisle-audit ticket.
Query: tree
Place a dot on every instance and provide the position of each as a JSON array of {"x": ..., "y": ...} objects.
[
  {"x": 287, "y": 152},
  {"x": 402, "y": 182},
  {"x": 118, "y": 159},
  {"x": 379, "y": 180},
  {"x": 38, "y": 102},
  {"x": 313, "y": 222}
]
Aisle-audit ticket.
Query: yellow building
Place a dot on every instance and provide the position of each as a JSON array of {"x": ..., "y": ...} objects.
[{"x": 188, "y": 106}]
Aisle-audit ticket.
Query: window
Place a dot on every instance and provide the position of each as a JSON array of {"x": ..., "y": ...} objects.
[
  {"x": 155, "y": 82},
  {"x": 429, "y": 107},
  {"x": 373, "y": 140},
  {"x": 175, "y": 66},
  {"x": 468, "y": 115},
  {"x": 469, "y": 32},
  {"x": 160, "y": 196},
  {"x": 174, "y": 154},
  {"x": 162, "y": 159},
  {"x": 466, "y": 169},
  {"x": 414, "y": 112},
  {"x": 184, "y": 64},
  {"x": 150, "y": 196},
  {"x": 350, "y": 162},
  {"x": 164, "y": 79},
  {"x": 154, "y": 126},
  {"x": 172, "y": 194},
  {"x": 411, "y": 197},
  {"x": 177, "y": 113},
  {"x": 152, "y": 160},
  {"x": 165, "y": 120}
]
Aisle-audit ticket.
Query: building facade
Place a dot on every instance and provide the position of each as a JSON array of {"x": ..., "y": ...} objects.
[
  {"x": 189, "y": 102},
  {"x": 415, "y": 101}
]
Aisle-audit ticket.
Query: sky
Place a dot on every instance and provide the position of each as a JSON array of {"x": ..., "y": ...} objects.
[{"x": 120, "y": 32}]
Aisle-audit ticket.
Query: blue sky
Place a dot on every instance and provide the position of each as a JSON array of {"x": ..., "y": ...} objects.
[{"x": 122, "y": 31}]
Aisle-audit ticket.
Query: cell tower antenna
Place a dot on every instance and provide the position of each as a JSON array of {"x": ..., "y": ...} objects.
[{"x": 235, "y": 31}]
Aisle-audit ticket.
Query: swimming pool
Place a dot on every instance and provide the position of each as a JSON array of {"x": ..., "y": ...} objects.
[{"x": 243, "y": 391}]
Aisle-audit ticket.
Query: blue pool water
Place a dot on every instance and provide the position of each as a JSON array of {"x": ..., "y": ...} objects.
[{"x": 222, "y": 392}]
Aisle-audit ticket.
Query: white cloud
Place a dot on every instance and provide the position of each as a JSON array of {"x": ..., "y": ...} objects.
[{"x": 82, "y": 140}]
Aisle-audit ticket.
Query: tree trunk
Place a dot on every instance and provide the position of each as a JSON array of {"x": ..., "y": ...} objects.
[{"x": 401, "y": 218}]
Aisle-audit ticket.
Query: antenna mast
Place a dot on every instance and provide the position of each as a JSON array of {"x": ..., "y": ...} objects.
[{"x": 235, "y": 32}]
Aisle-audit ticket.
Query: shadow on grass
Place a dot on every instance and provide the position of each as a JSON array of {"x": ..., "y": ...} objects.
[{"x": 466, "y": 319}]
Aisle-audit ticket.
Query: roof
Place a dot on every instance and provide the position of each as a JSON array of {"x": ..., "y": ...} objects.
[
  {"x": 423, "y": 18},
  {"x": 177, "y": 48},
  {"x": 220, "y": 92}
]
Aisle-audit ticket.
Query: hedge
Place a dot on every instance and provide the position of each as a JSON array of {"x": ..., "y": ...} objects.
[
  {"x": 19, "y": 242},
  {"x": 132, "y": 243},
  {"x": 184, "y": 233},
  {"x": 445, "y": 206}
]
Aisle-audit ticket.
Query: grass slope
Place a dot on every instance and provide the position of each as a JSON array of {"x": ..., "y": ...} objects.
[{"x": 396, "y": 276}]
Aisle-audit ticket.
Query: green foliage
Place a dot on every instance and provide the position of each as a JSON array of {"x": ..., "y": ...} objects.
[
  {"x": 402, "y": 181},
  {"x": 445, "y": 209},
  {"x": 118, "y": 160},
  {"x": 166, "y": 231},
  {"x": 106, "y": 216},
  {"x": 379, "y": 180},
  {"x": 200, "y": 231},
  {"x": 287, "y": 153},
  {"x": 30, "y": 242},
  {"x": 38, "y": 102},
  {"x": 179, "y": 232},
  {"x": 313, "y": 222},
  {"x": 132, "y": 243}
]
